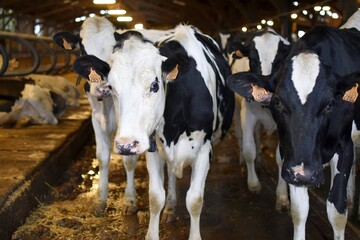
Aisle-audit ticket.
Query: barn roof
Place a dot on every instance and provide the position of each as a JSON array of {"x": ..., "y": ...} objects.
[{"x": 208, "y": 15}]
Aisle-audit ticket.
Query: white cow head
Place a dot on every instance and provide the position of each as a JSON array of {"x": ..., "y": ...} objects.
[{"x": 137, "y": 75}]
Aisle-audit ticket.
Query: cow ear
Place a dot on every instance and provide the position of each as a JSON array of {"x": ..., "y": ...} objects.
[
  {"x": 170, "y": 68},
  {"x": 251, "y": 86},
  {"x": 348, "y": 87},
  {"x": 91, "y": 68},
  {"x": 66, "y": 40},
  {"x": 238, "y": 50}
]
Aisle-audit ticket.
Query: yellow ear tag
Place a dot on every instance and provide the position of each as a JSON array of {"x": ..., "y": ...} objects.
[
  {"x": 66, "y": 45},
  {"x": 94, "y": 77},
  {"x": 239, "y": 53},
  {"x": 260, "y": 94},
  {"x": 351, "y": 95},
  {"x": 173, "y": 74}
]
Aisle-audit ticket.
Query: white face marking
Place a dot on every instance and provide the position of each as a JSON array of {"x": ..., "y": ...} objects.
[
  {"x": 267, "y": 47},
  {"x": 134, "y": 68},
  {"x": 306, "y": 68}
]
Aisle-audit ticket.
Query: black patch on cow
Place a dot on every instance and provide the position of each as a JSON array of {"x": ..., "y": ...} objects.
[
  {"x": 225, "y": 96},
  {"x": 72, "y": 39},
  {"x": 11, "y": 89},
  {"x": 188, "y": 105},
  {"x": 337, "y": 194},
  {"x": 59, "y": 103},
  {"x": 87, "y": 87},
  {"x": 83, "y": 64},
  {"x": 122, "y": 37},
  {"x": 190, "y": 139}
]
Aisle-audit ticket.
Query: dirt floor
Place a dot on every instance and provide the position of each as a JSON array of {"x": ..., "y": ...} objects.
[{"x": 230, "y": 211}]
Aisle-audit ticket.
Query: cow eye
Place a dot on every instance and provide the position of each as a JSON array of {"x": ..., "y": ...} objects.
[
  {"x": 329, "y": 107},
  {"x": 154, "y": 87},
  {"x": 277, "y": 104}
]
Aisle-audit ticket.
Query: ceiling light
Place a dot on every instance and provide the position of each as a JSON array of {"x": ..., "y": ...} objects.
[
  {"x": 116, "y": 12},
  {"x": 259, "y": 27},
  {"x": 317, "y": 8},
  {"x": 263, "y": 21},
  {"x": 295, "y": 3},
  {"x": 293, "y": 15},
  {"x": 322, "y": 13},
  {"x": 326, "y": 8},
  {"x": 305, "y": 12},
  {"x": 244, "y": 29},
  {"x": 335, "y": 16},
  {"x": 139, "y": 26},
  {"x": 180, "y": 3},
  {"x": 270, "y": 22},
  {"x": 124, "y": 19},
  {"x": 104, "y": 1}
]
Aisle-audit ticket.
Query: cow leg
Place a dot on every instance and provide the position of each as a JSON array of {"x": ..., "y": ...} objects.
[
  {"x": 282, "y": 199},
  {"x": 171, "y": 200},
  {"x": 248, "y": 122},
  {"x": 129, "y": 200},
  {"x": 155, "y": 167},
  {"x": 102, "y": 139},
  {"x": 338, "y": 183},
  {"x": 237, "y": 125},
  {"x": 299, "y": 199},
  {"x": 195, "y": 194}
]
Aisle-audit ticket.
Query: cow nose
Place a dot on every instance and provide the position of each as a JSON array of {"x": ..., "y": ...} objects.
[
  {"x": 302, "y": 176},
  {"x": 104, "y": 90},
  {"x": 126, "y": 146}
]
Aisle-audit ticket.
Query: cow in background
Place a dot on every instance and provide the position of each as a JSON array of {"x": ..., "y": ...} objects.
[
  {"x": 97, "y": 38},
  {"x": 23, "y": 103},
  {"x": 59, "y": 85},
  {"x": 311, "y": 98},
  {"x": 178, "y": 92},
  {"x": 263, "y": 51}
]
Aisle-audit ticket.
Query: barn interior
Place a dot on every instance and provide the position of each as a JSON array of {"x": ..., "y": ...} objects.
[{"x": 49, "y": 171}]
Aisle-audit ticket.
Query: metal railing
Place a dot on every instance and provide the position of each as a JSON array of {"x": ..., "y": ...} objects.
[{"x": 23, "y": 54}]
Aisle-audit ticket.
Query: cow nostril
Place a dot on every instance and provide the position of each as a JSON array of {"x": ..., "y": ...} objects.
[{"x": 127, "y": 148}]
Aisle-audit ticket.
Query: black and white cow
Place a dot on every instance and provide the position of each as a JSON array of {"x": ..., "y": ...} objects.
[
  {"x": 178, "y": 93},
  {"x": 311, "y": 99},
  {"x": 97, "y": 38},
  {"x": 22, "y": 102},
  {"x": 59, "y": 85},
  {"x": 264, "y": 50}
]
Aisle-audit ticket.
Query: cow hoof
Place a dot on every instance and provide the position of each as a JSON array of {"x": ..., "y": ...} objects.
[
  {"x": 130, "y": 209},
  {"x": 99, "y": 210},
  {"x": 254, "y": 188},
  {"x": 282, "y": 205},
  {"x": 168, "y": 216}
]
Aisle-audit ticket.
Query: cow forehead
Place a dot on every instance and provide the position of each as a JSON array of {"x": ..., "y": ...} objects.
[
  {"x": 134, "y": 64},
  {"x": 305, "y": 70},
  {"x": 267, "y": 47}
]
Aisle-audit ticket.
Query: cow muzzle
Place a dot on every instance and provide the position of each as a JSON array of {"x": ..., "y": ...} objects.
[
  {"x": 302, "y": 176},
  {"x": 126, "y": 146}
]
